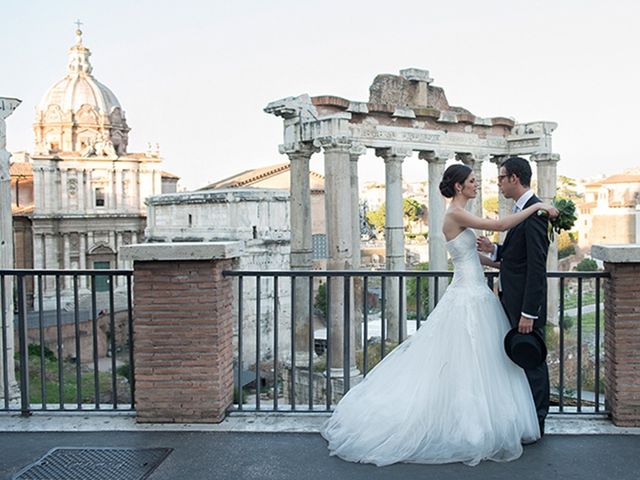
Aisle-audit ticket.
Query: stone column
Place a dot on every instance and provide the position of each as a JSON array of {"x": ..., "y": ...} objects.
[
  {"x": 90, "y": 203},
  {"x": 82, "y": 203},
  {"x": 394, "y": 238},
  {"x": 7, "y": 106},
  {"x": 354, "y": 154},
  {"x": 82, "y": 254},
  {"x": 50, "y": 256},
  {"x": 184, "y": 337},
  {"x": 356, "y": 151},
  {"x": 505, "y": 205},
  {"x": 119, "y": 280},
  {"x": 339, "y": 244},
  {"x": 437, "y": 243},
  {"x": 64, "y": 189},
  {"x": 621, "y": 331},
  {"x": 66, "y": 259},
  {"x": 301, "y": 256},
  {"x": 475, "y": 163},
  {"x": 547, "y": 179},
  {"x": 117, "y": 190}
]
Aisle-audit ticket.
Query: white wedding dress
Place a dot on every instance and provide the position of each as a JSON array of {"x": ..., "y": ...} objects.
[{"x": 446, "y": 394}]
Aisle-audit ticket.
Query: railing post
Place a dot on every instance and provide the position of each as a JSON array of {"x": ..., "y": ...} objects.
[
  {"x": 183, "y": 330},
  {"x": 621, "y": 331},
  {"x": 23, "y": 347}
]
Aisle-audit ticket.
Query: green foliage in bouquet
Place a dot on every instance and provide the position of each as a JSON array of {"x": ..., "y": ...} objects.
[{"x": 565, "y": 220}]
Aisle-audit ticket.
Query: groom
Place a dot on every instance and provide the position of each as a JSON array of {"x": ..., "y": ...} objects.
[{"x": 523, "y": 282}]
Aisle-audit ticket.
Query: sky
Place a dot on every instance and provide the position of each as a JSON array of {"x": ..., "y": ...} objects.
[{"x": 194, "y": 76}]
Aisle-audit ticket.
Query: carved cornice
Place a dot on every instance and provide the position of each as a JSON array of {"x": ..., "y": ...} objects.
[{"x": 291, "y": 107}]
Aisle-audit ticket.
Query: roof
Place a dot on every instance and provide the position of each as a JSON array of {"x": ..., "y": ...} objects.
[
  {"x": 622, "y": 178},
  {"x": 164, "y": 174},
  {"x": 250, "y": 177},
  {"x": 20, "y": 169}
]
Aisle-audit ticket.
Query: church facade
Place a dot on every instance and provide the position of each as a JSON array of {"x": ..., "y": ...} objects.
[{"x": 80, "y": 196}]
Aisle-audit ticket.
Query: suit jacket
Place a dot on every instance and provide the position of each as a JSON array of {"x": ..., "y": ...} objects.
[{"x": 523, "y": 268}]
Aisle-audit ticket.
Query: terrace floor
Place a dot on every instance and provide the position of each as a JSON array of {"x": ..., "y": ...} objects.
[{"x": 275, "y": 446}]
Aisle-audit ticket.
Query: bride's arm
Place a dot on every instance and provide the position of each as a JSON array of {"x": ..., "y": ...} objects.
[{"x": 466, "y": 219}]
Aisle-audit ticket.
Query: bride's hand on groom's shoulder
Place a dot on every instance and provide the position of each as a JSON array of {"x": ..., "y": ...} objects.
[
  {"x": 552, "y": 211},
  {"x": 484, "y": 244}
]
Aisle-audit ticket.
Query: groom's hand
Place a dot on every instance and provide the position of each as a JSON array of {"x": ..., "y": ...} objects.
[
  {"x": 484, "y": 244},
  {"x": 525, "y": 325}
]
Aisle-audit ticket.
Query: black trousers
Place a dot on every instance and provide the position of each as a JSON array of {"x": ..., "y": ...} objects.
[{"x": 538, "y": 377}]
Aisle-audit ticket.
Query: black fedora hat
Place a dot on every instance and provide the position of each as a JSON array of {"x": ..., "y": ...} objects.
[{"x": 526, "y": 350}]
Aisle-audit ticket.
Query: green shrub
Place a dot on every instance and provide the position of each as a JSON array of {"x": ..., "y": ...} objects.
[
  {"x": 34, "y": 351},
  {"x": 123, "y": 370},
  {"x": 587, "y": 265},
  {"x": 320, "y": 301}
]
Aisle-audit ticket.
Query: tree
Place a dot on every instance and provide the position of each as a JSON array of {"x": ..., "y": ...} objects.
[
  {"x": 412, "y": 210},
  {"x": 412, "y": 285},
  {"x": 376, "y": 218},
  {"x": 566, "y": 244}
]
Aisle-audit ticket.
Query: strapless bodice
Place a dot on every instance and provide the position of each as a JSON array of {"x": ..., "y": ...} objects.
[{"x": 467, "y": 269}]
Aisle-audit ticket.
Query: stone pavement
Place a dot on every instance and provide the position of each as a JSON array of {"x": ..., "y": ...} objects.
[{"x": 281, "y": 447}]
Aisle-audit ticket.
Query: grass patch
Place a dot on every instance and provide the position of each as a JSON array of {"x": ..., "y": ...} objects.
[{"x": 69, "y": 382}]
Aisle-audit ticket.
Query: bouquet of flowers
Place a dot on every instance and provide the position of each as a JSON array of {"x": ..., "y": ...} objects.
[{"x": 565, "y": 220}]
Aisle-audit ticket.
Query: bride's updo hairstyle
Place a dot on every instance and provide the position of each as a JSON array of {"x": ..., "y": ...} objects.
[{"x": 456, "y": 173}]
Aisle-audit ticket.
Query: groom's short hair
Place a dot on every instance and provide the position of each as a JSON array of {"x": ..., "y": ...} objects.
[{"x": 519, "y": 167}]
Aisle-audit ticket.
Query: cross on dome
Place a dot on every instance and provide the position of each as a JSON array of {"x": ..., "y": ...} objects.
[{"x": 78, "y": 23}]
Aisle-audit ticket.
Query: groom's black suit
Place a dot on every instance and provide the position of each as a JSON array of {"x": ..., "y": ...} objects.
[{"x": 523, "y": 268}]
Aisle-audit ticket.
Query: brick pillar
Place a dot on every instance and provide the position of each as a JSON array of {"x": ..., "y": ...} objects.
[
  {"x": 622, "y": 332},
  {"x": 182, "y": 331}
]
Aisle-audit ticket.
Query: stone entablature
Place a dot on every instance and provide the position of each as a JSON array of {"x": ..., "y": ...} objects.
[{"x": 407, "y": 111}]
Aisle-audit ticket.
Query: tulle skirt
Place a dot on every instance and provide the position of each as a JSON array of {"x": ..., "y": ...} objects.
[{"x": 447, "y": 394}]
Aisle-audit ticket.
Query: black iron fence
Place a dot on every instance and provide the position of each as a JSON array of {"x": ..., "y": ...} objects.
[
  {"x": 67, "y": 337},
  {"x": 66, "y": 340},
  {"x": 287, "y": 356}
]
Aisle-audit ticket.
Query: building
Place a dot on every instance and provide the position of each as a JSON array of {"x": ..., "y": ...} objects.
[
  {"x": 80, "y": 195},
  {"x": 278, "y": 176},
  {"x": 610, "y": 210}
]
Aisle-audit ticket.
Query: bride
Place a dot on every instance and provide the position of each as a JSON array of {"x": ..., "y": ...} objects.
[{"x": 448, "y": 393}]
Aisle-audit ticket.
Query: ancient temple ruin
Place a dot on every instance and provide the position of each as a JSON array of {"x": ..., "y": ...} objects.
[{"x": 405, "y": 113}]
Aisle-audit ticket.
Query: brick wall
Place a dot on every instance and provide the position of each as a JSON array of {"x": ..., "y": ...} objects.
[
  {"x": 622, "y": 343},
  {"x": 182, "y": 340}
]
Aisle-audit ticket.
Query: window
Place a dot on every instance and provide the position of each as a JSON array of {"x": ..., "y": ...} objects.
[
  {"x": 99, "y": 197},
  {"x": 319, "y": 243}
]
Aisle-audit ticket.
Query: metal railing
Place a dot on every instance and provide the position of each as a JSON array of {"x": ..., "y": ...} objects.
[
  {"x": 269, "y": 377},
  {"x": 72, "y": 331}
]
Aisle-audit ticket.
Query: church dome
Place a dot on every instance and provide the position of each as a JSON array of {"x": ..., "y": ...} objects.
[
  {"x": 74, "y": 91},
  {"x": 78, "y": 111}
]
